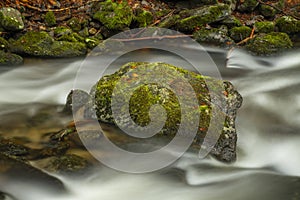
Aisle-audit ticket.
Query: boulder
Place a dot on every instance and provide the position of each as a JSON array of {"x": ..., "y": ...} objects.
[
  {"x": 11, "y": 19},
  {"x": 9, "y": 59}
]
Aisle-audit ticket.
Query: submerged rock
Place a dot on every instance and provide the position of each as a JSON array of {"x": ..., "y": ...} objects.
[
  {"x": 271, "y": 43},
  {"x": 11, "y": 19},
  {"x": 144, "y": 97}
]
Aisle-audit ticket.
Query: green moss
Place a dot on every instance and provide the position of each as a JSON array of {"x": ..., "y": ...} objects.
[
  {"x": 287, "y": 24},
  {"x": 9, "y": 59},
  {"x": 143, "y": 18},
  {"x": 50, "y": 19},
  {"x": 204, "y": 15},
  {"x": 92, "y": 42},
  {"x": 169, "y": 22},
  {"x": 74, "y": 24},
  {"x": 247, "y": 5},
  {"x": 43, "y": 45},
  {"x": 61, "y": 30},
  {"x": 11, "y": 19},
  {"x": 3, "y": 44},
  {"x": 72, "y": 37},
  {"x": 271, "y": 43},
  {"x": 115, "y": 16},
  {"x": 231, "y": 21},
  {"x": 264, "y": 27},
  {"x": 267, "y": 11},
  {"x": 240, "y": 33}
]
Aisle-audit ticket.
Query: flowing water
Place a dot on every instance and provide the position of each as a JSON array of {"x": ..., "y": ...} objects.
[{"x": 268, "y": 164}]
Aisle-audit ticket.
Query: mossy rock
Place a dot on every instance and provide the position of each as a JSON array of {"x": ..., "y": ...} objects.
[
  {"x": 287, "y": 24},
  {"x": 92, "y": 42},
  {"x": 268, "y": 44},
  {"x": 145, "y": 96},
  {"x": 247, "y": 5},
  {"x": 215, "y": 36},
  {"x": 71, "y": 37},
  {"x": 240, "y": 33},
  {"x": 267, "y": 11},
  {"x": 3, "y": 44},
  {"x": 143, "y": 18},
  {"x": 264, "y": 27},
  {"x": 115, "y": 16},
  {"x": 43, "y": 45},
  {"x": 50, "y": 19},
  {"x": 169, "y": 22},
  {"x": 9, "y": 59},
  {"x": 74, "y": 24},
  {"x": 61, "y": 30},
  {"x": 198, "y": 17},
  {"x": 231, "y": 21},
  {"x": 11, "y": 19}
]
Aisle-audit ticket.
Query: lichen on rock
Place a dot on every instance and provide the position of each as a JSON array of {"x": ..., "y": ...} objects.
[
  {"x": 145, "y": 96},
  {"x": 11, "y": 19}
]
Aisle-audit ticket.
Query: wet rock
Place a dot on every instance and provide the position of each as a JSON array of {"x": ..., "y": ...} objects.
[
  {"x": 43, "y": 45},
  {"x": 270, "y": 43},
  {"x": 68, "y": 164},
  {"x": 9, "y": 59},
  {"x": 145, "y": 96},
  {"x": 240, "y": 33},
  {"x": 115, "y": 16},
  {"x": 10, "y": 148},
  {"x": 198, "y": 17},
  {"x": 214, "y": 36},
  {"x": 11, "y": 19},
  {"x": 264, "y": 27},
  {"x": 14, "y": 171},
  {"x": 50, "y": 19},
  {"x": 288, "y": 24},
  {"x": 247, "y": 5}
]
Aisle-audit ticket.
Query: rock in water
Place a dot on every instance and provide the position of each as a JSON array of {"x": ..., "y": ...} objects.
[{"x": 212, "y": 96}]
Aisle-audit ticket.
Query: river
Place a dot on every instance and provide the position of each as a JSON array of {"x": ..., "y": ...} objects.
[{"x": 268, "y": 164}]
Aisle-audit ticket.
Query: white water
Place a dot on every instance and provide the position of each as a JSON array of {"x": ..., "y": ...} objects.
[{"x": 268, "y": 165}]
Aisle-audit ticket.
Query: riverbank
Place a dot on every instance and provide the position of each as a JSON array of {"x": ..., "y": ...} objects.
[{"x": 55, "y": 29}]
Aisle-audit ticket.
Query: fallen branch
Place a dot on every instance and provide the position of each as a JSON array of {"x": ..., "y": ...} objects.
[{"x": 248, "y": 38}]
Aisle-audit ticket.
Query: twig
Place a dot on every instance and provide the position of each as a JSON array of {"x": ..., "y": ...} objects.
[
  {"x": 59, "y": 9},
  {"x": 248, "y": 38},
  {"x": 151, "y": 38},
  {"x": 164, "y": 17}
]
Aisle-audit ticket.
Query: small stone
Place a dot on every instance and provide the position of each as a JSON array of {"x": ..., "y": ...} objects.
[
  {"x": 247, "y": 5},
  {"x": 287, "y": 24},
  {"x": 11, "y": 19},
  {"x": 50, "y": 19},
  {"x": 267, "y": 11},
  {"x": 92, "y": 31}
]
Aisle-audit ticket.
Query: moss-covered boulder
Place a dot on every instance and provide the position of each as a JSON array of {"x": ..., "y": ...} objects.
[
  {"x": 115, "y": 16},
  {"x": 9, "y": 59},
  {"x": 43, "y": 45},
  {"x": 214, "y": 36},
  {"x": 231, "y": 21},
  {"x": 247, "y": 5},
  {"x": 287, "y": 24},
  {"x": 198, "y": 17},
  {"x": 271, "y": 43},
  {"x": 143, "y": 17},
  {"x": 267, "y": 11},
  {"x": 3, "y": 44},
  {"x": 264, "y": 27},
  {"x": 11, "y": 19},
  {"x": 240, "y": 33},
  {"x": 50, "y": 19},
  {"x": 169, "y": 22},
  {"x": 226, "y": 102}
]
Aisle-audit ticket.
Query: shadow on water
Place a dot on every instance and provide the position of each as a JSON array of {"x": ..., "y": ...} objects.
[{"x": 268, "y": 165}]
